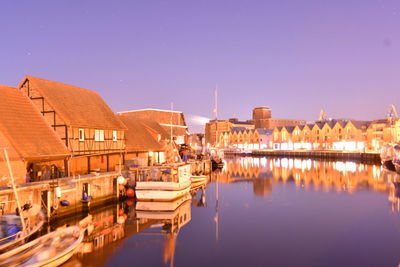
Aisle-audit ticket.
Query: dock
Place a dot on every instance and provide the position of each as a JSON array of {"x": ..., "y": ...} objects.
[{"x": 326, "y": 155}]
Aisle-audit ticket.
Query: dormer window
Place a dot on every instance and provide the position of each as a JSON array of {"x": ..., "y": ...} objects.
[
  {"x": 81, "y": 134},
  {"x": 98, "y": 135}
]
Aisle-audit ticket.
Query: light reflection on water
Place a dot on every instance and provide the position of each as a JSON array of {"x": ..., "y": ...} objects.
[{"x": 261, "y": 212}]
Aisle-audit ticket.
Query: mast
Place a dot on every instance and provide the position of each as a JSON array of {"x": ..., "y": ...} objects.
[
  {"x": 14, "y": 190},
  {"x": 216, "y": 218},
  {"x": 172, "y": 108},
  {"x": 216, "y": 114}
]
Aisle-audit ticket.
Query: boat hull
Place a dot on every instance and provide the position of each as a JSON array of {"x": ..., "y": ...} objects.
[
  {"x": 159, "y": 191},
  {"x": 198, "y": 181},
  {"x": 397, "y": 168},
  {"x": 388, "y": 164}
]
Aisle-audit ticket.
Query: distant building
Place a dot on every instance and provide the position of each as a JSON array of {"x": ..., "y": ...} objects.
[
  {"x": 173, "y": 122},
  {"x": 196, "y": 142},
  {"x": 262, "y": 117},
  {"x": 91, "y": 131},
  {"x": 213, "y": 129},
  {"x": 35, "y": 151}
]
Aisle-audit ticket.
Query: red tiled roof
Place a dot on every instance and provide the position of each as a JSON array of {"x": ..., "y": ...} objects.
[
  {"x": 76, "y": 106},
  {"x": 158, "y": 115},
  {"x": 25, "y": 128},
  {"x": 139, "y": 137}
]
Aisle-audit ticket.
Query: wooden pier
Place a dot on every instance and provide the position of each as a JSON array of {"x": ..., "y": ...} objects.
[{"x": 326, "y": 155}]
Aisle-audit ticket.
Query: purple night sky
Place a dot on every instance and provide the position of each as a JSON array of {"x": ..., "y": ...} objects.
[{"x": 295, "y": 56}]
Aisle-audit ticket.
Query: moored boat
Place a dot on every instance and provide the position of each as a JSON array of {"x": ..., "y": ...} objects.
[
  {"x": 198, "y": 181},
  {"x": 396, "y": 158},
  {"x": 163, "y": 184},
  {"x": 217, "y": 163},
  {"x": 52, "y": 249},
  {"x": 16, "y": 229},
  {"x": 13, "y": 234},
  {"x": 387, "y": 155}
]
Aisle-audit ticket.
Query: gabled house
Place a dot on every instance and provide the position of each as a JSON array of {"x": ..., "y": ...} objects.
[
  {"x": 36, "y": 152},
  {"x": 94, "y": 135},
  {"x": 173, "y": 122},
  {"x": 147, "y": 143}
]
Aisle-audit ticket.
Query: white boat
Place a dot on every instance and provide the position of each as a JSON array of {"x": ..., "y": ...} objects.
[
  {"x": 164, "y": 185},
  {"x": 387, "y": 155},
  {"x": 52, "y": 249},
  {"x": 162, "y": 205},
  {"x": 198, "y": 181}
]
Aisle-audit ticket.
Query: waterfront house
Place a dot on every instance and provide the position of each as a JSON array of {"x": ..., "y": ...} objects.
[
  {"x": 379, "y": 132},
  {"x": 147, "y": 143},
  {"x": 173, "y": 122},
  {"x": 92, "y": 132},
  {"x": 337, "y": 134},
  {"x": 355, "y": 134},
  {"x": 316, "y": 135},
  {"x": 35, "y": 151}
]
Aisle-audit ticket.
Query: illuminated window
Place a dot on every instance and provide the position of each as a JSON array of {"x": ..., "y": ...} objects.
[
  {"x": 114, "y": 136},
  {"x": 98, "y": 135},
  {"x": 81, "y": 134}
]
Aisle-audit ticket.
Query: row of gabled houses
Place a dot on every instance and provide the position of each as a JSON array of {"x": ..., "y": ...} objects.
[
  {"x": 340, "y": 135},
  {"x": 53, "y": 130}
]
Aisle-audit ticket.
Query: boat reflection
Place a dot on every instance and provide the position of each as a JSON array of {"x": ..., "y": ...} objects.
[
  {"x": 166, "y": 223},
  {"x": 307, "y": 174}
]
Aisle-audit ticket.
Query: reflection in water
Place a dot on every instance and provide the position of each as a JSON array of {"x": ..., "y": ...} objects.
[
  {"x": 311, "y": 174},
  {"x": 335, "y": 204},
  {"x": 166, "y": 223}
]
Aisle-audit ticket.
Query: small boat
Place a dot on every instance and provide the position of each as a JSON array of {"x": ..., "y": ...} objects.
[
  {"x": 15, "y": 229},
  {"x": 217, "y": 164},
  {"x": 12, "y": 233},
  {"x": 162, "y": 206},
  {"x": 52, "y": 249},
  {"x": 387, "y": 155},
  {"x": 165, "y": 184},
  {"x": 198, "y": 181},
  {"x": 396, "y": 158}
]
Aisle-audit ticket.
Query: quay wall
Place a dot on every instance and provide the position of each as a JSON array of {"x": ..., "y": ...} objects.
[
  {"x": 102, "y": 188},
  {"x": 329, "y": 155}
]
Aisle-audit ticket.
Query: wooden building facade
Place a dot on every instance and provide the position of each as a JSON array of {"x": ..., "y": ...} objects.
[
  {"x": 35, "y": 151},
  {"x": 94, "y": 135}
]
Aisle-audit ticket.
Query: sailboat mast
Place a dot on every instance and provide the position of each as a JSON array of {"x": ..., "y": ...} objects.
[
  {"x": 14, "y": 190},
  {"x": 216, "y": 114},
  {"x": 172, "y": 108}
]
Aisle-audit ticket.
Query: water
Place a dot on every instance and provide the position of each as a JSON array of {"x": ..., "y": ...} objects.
[{"x": 261, "y": 212}]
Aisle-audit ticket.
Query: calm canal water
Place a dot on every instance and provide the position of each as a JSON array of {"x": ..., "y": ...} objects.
[{"x": 260, "y": 212}]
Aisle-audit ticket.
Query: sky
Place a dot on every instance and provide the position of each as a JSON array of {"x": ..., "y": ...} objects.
[{"x": 297, "y": 57}]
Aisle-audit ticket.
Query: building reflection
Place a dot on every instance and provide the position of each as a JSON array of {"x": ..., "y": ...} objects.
[
  {"x": 307, "y": 174},
  {"x": 118, "y": 221}
]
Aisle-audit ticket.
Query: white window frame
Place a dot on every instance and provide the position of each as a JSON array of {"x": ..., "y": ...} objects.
[
  {"x": 81, "y": 134},
  {"x": 98, "y": 135},
  {"x": 114, "y": 136}
]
